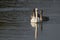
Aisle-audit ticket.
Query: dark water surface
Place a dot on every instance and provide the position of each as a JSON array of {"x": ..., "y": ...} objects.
[{"x": 15, "y": 21}]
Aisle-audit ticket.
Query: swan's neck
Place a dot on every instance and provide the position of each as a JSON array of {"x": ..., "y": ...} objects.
[
  {"x": 40, "y": 15},
  {"x": 36, "y": 14}
]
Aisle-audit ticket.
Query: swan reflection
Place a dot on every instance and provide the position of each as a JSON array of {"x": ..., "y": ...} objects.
[
  {"x": 36, "y": 26},
  {"x": 39, "y": 25}
]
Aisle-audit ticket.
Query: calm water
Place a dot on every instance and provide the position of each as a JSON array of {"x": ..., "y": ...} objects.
[{"x": 15, "y": 23}]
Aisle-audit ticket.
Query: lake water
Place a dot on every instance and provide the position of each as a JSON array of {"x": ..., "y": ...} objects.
[{"x": 15, "y": 21}]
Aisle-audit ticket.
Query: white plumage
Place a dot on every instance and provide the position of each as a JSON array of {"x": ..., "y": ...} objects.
[{"x": 35, "y": 18}]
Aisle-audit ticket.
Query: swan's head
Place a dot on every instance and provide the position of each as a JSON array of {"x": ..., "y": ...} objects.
[
  {"x": 36, "y": 9},
  {"x": 41, "y": 11}
]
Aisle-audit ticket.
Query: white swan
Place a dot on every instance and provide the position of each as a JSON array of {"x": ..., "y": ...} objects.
[{"x": 35, "y": 18}]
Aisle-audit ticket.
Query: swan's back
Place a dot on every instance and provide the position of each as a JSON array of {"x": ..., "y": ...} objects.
[{"x": 34, "y": 19}]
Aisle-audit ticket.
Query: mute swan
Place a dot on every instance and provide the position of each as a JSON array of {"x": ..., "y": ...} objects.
[
  {"x": 35, "y": 18},
  {"x": 43, "y": 18}
]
